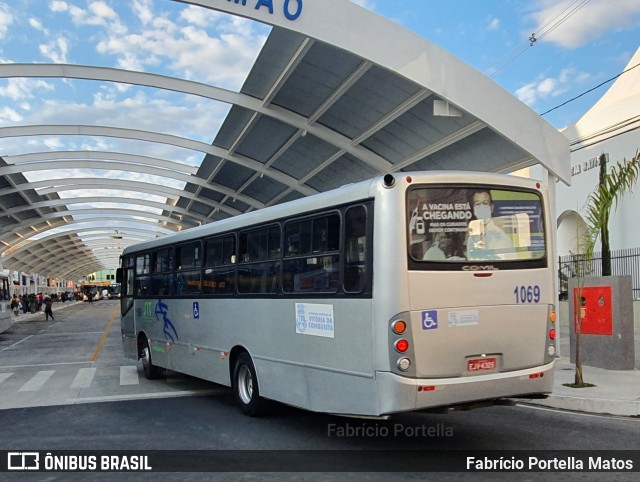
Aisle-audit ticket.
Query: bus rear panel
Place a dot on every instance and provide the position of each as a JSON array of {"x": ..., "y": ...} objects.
[{"x": 476, "y": 319}]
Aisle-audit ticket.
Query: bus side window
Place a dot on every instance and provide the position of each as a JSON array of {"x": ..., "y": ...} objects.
[
  {"x": 188, "y": 263},
  {"x": 355, "y": 246}
]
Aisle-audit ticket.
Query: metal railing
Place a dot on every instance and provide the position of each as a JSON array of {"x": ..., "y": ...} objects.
[{"x": 624, "y": 262}]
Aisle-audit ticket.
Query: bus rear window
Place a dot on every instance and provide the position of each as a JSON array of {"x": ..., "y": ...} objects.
[{"x": 462, "y": 224}]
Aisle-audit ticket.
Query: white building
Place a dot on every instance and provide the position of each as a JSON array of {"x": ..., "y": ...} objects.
[{"x": 611, "y": 127}]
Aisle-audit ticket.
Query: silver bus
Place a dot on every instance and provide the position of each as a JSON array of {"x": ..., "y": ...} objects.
[{"x": 407, "y": 292}]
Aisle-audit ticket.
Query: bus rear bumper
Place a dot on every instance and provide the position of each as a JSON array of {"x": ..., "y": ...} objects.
[{"x": 400, "y": 394}]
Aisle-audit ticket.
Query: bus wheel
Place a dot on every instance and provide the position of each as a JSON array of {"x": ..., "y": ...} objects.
[
  {"x": 150, "y": 370},
  {"x": 245, "y": 386}
]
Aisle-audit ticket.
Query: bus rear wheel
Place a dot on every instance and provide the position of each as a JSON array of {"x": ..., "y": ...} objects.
[
  {"x": 245, "y": 386},
  {"x": 151, "y": 371}
]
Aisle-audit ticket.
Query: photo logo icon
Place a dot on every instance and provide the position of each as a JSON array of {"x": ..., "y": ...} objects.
[{"x": 23, "y": 461}]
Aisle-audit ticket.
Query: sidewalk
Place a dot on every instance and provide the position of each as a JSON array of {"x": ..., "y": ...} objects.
[{"x": 616, "y": 392}]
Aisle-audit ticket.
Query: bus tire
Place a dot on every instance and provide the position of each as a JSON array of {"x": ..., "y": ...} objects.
[
  {"x": 151, "y": 371},
  {"x": 245, "y": 386}
]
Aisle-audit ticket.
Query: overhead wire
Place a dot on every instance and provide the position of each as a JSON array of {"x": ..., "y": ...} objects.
[
  {"x": 549, "y": 26},
  {"x": 590, "y": 90}
]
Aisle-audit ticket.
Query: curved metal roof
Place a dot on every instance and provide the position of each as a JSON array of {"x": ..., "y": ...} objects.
[{"x": 329, "y": 100}]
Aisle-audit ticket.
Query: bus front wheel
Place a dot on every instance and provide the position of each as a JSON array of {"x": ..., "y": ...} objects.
[
  {"x": 151, "y": 371},
  {"x": 245, "y": 386}
]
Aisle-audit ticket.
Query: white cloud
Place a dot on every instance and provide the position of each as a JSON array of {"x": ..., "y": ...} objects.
[
  {"x": 549, "y": 87},
  {"x": 201, "y": 17},
  {"x": 58, "y": 6},
  {"x": 98, "y": 14},
  {"x": 53, "y": 143},
  {"x": 494, "y": 24},
  {"x": 56, "y": 50},
  {"x": 37, "y": 24},
  {"x": 6, "y": 19},
  {"x": 198, "y": 44},
  {"x": 587, "y": 24},
  {"x": 17, "y": 89},
  {"x": 9, "y": 116}
]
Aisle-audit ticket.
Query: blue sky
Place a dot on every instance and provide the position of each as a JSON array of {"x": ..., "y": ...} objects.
[{"x": 580, "y": 43}]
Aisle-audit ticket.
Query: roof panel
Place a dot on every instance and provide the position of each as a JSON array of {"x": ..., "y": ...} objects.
[
  {"x": 482, "y": 151},
  {"x": 413, "y": 131},
  {"x": 345, "y": 170},
  {"x": 232, "y": 175},
  {"x": 280, "y": 46},
  {"x": 211, "y": 195},
  {"x": 264, "y": 189},
  {"x": 232, "y": 126},
  {"x": 12, "y": 200},
  {"x": 303, "y": 156},
  {"x": 234, "y": 203},
  {"x": 372, "y": 97},
  {"x": 208, "y": 165},
  {"x": 290, "y": 196},
  {"x": 200, "y": 208},
  {"x": 267, "y": 136},
  {"x": 316, "y": 78}
]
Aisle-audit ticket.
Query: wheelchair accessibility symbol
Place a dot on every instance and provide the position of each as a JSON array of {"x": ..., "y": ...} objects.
[
  {"x": 430, "y": 320},
  {"x": 196, "y": 310}
]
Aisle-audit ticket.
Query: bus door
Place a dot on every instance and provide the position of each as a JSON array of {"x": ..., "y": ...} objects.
[{"x": 124, "y": 276}]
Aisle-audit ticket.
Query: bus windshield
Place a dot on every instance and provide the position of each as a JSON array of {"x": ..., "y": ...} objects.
[{"x": 462, "y": 224}]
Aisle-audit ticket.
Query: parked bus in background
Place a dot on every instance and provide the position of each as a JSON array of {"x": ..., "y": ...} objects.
[
  {"x": 407, "y": 292},
  {"x": 113, "y": 291},
  {"x": 96, "y": 290}
]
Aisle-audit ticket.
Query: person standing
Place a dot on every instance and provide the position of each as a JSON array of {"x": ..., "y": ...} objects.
[
  {"x": 15, "y": 304},
  {"x": 48, "y": 311},
  {"x": 25, "y": 304}
]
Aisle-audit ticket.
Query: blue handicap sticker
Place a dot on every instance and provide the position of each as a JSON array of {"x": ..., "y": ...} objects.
[
  {"x": 196, "y": 310},
  {"x": 430, "y": 320}
]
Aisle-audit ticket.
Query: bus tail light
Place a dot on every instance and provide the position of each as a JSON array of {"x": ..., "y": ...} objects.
[
  {"x": 426, "y": 388},
  {"x": 404, "y": 364},
  {"x": 401, "y": 341},
  {"x": 399, "y": 327},
  {"x": 402, "y": 345},
  {"x": 552, "y": 334}
]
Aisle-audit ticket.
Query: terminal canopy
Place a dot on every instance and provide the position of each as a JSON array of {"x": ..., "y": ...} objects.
[{"x": 336, "y": 95}]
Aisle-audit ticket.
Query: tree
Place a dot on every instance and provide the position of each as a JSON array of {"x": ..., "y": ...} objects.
[
  {"x": 614, "y": 184},
  {"x": 621, "y": 179}
]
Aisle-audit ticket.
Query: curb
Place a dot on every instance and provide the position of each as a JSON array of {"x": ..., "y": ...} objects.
[{"x": 622, "y": 408}]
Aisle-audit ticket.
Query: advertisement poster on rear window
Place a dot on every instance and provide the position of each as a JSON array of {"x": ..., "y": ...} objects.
[{"x": 457, "y": 224}]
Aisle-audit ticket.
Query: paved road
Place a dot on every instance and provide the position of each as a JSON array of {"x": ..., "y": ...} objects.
[
  {"x": 77, "y": 359},
  {"x": 213, "y": 423}
]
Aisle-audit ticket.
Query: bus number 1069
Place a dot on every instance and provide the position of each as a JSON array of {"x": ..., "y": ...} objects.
[{"x": 527, "y": 294}]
